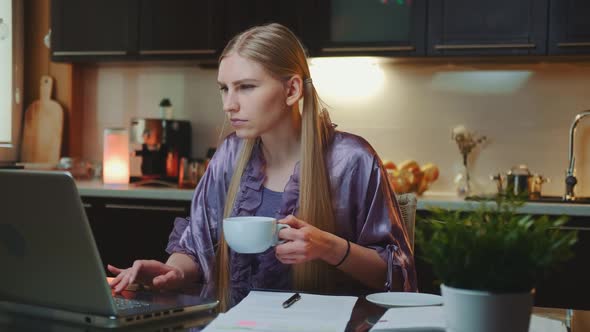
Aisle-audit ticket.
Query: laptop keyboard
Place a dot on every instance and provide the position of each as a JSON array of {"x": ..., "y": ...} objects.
[{"x": 125, "y": 304}]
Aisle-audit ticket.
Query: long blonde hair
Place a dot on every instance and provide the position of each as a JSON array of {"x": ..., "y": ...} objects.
[{"x": 279, "y": 51}]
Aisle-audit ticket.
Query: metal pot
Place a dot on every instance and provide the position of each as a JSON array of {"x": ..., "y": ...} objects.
[{"x": 519, "y": 181}]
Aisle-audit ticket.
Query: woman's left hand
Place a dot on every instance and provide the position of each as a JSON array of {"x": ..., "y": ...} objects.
[{"x": 304, "y": 242}]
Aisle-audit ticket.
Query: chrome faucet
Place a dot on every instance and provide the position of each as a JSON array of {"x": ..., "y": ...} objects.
[{"x": 570, "y": 179}]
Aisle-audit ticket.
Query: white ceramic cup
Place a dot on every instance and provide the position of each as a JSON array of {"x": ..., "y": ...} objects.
[{"x": 252, "y": 234}]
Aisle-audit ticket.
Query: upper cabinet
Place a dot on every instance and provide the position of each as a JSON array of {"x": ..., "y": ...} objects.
[
  {"x": 105, "y": 29},
  {"x": 378, "y": 27},
  {"x": 299, "y": 16},
  {"x": 97, "y": 30},
  {"x": 179, "y": 28},
  {"x": 483, "y": 27},
  {"x": 569, "y": 27},
  {"x": 94, "y": 30}
]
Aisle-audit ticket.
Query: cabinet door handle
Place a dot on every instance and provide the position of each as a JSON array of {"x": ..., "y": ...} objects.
[
  {"x": 480, "y": 46},
  {"x": 88, "y": 53},
  {"x": 145, "y": 207},
  {"x": 87, "y": 205},
  {"x": 576, "y": 44},
  {"x": 369, "y": 49},
  {"x": 176, "y": 52}
]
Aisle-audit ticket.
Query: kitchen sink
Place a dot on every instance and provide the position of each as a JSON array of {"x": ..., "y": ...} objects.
[
  {"x": 559, "y": 199},
  {"x": 542, "y": 199}
]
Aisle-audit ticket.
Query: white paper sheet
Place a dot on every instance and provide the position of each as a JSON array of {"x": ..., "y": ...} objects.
[
  {"x": 543, "y": 324},
  {"x": 424, "y": 319},
  {"x": 431, "y": 319},
  {"x": 263, "y": 311}
]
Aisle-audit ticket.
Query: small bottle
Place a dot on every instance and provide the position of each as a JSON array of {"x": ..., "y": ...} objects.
[{"x": 166, "y": 109}]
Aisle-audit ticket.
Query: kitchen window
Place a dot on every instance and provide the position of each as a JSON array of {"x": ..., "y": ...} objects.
[{"x": 11, "y": 53}]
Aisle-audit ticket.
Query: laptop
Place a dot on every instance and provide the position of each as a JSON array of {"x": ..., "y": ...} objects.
[{"x": 50, "y": 264}]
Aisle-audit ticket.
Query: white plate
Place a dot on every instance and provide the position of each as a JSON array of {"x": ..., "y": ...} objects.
[{"x": 404, "y": 299}]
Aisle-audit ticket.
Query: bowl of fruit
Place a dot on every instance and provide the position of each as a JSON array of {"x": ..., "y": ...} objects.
[{"x": 409, "y": 177}]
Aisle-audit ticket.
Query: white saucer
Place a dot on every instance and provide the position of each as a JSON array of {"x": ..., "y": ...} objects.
[{"x": 404, "y": 299}]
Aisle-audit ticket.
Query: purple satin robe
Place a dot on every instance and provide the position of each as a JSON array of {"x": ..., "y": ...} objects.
[{"x": 365, "y": 208}]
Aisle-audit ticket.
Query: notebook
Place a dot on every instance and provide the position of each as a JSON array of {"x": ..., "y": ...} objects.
[
  {"x": 50, "y": 264},
  {"x": 264, "y": 311}
]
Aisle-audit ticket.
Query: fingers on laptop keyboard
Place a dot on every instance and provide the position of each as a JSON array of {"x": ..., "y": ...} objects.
[
  {"x": 113, "y": 269},
  {"x": 123, "y": 278},
  {"x": 161, "y": 281},
  {"x": 124, "y": 283},
  {"x": 120, "y": 282},
  {"x": 169, "y": 280},
  {"x": 119, "y": 273}
]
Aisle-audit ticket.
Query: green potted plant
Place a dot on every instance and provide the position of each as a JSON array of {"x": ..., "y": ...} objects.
[{"x": 489, "y": 260}]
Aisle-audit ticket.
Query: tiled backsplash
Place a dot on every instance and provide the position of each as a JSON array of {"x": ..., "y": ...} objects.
[{"x": 406, "y": 110}]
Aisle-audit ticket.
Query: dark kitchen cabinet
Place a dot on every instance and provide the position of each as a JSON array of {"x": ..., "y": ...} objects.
[
  {"x": 569, "y": 27},
  {"x": 482, "y": 27},
  {"x": 99, "y": 30},
  {"x": 371, "y": 27},
  {"x": 129, "y": 229},
  {"x": 299, "y": 16},
  {"x": 103, "y": 30},
  {"x": 567, "y": 286},
  {"x": 179, "y": 28},
  {"x": 91, "y": 30}
]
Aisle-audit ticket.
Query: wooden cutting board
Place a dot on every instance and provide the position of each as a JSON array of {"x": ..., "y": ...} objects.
[{"x": 43, "y": 127}]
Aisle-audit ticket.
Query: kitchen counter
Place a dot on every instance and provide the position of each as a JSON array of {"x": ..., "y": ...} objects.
[
  {"x": 96, "y": 188},
  {"x": 442, "y": 200},
  {"x": 452, "y": 202}
]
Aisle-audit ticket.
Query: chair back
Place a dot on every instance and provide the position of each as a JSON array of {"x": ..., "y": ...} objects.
[{"x": 407, "y": 204}]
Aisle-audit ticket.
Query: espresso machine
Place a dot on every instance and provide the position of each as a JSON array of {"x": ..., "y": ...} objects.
[{"x": 157, "y": 146}]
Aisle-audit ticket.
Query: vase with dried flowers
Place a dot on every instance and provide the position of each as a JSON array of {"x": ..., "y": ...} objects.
[{"x": 467, "y": 141}]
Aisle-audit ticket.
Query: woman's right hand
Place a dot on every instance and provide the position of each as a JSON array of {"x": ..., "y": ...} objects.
[{"x": 147, "y": 272}]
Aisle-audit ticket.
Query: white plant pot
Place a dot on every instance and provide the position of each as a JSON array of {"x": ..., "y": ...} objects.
[{"x": 469, "y": 310}]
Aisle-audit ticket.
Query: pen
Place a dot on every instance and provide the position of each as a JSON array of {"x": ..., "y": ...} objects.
[{"x": 296, "y": 297}]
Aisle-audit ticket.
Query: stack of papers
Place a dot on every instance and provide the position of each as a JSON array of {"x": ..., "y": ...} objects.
[
  {"x": 263, "y": 311},
  {"x": 431, "y": 319}
]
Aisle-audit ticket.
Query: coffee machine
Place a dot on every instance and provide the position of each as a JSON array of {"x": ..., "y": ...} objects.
[{"x": 157, "y": 146}]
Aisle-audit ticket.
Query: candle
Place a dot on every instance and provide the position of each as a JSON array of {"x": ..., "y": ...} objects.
[{"x": 115, "y": 156}]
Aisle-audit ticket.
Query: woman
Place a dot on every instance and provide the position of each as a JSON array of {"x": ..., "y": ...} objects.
[{"x": 289, "y": 163}]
